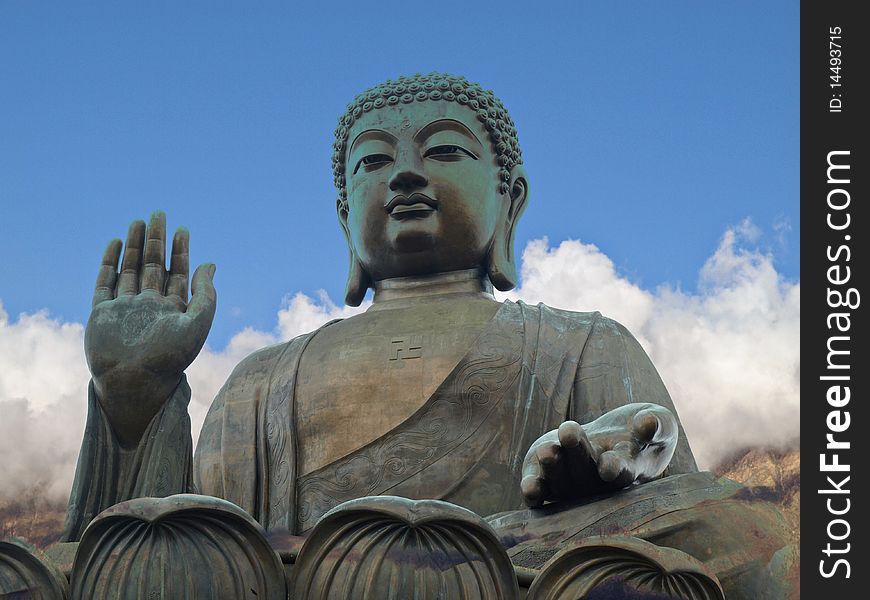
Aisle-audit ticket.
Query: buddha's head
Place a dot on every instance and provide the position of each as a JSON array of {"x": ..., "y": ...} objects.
[{"x": 430, "y": 180}]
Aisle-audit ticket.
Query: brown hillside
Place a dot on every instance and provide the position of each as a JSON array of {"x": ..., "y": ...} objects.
[
  {"x": 774, "y": 475},
  {"x": 32, "y": 518}
]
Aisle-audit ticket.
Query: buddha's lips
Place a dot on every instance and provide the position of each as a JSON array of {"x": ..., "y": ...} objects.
[{"x": 415, "y": 203}]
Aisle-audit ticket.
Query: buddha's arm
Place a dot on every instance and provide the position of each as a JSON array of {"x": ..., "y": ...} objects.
[
  {"x": 615, "y": 371},
  {"x": 109, "y": 472},
  {"x": 161, "y": 463},
  {"x": 228, "y": 457},
  {"x": 630, "y": 431},
  {"x": 142, "y": 334}
]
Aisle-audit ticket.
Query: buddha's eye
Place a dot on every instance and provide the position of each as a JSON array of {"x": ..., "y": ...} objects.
[
  {"x": 447, "y": 152},
  {"x": 372, "y": 161}
]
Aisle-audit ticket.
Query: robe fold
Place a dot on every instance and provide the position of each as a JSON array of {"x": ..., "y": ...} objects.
[{"x": 106, "y": 473}]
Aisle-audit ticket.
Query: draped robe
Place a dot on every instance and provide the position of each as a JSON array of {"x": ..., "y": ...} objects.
[{"x": 530, "y": 369}]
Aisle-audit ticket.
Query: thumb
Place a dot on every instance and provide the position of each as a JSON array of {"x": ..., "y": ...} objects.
[
  {"x": 645, "y": 426},
  {"x": 654, "y": 425},
  {"x": 203, "y": 298}
]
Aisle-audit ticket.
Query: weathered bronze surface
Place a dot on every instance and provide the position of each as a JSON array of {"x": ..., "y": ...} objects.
[
  {"x": 626, "y": 565},
  {"x": 744, "y": 541},
  {"x": 393, "y": 548},
  {"x": 436, "y": 392},
  {"x": 27, "y": 573},
  {"x": 181, "y": 547}
]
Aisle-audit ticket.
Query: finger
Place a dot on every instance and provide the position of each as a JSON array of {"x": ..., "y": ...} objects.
[
  {"x": 108, "y": 274},
  {"x": 549, "y": 458},
  {"x": 570, "y": 434},
  {"x": 154, "y": 261},
  {"x": 534, "y": 490},
  {"x": 614, "y": 466},
  {"x": 128, "y": 279},
  {"x": 532, "y": 483},
  {"x": 577, "y": 451},
  {"x": 203, "y": 298},
  {"x": 179, "y": 265}
]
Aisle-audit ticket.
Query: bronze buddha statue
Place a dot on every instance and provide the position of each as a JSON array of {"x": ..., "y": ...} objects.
[{"x": 437, "y": 391}]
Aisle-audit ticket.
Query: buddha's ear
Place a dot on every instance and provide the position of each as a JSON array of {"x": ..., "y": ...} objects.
[
  {"x": 501, "y": 265},
  {"x": 358, "y": 281}
]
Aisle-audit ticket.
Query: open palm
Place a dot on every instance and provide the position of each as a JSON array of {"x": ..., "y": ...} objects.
[{"x": 143, "y": 332}]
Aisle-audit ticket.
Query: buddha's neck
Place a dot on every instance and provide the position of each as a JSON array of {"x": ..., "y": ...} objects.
[{"x": 405, "y": 291}]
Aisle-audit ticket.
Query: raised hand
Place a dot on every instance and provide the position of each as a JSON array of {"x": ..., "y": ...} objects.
[
  {"x": 143, "y": 333},
  {"x": 632, "y": 443}
]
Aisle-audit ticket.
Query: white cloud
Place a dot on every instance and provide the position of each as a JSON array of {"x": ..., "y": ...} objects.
[
  {"x": 729, "y": 354},
  {"x": 301, "y": 314},
  {"x": 577, "y": 276},
  {"x": 43, "y": 399}
]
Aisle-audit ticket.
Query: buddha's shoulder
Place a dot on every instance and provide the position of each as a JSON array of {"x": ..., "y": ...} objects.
[
  {"x": 560, "y": 317},
  {"x": 248, "y": 382},
  {"x": 591, "y": 324},
  {"x": 257, "y": 368}
]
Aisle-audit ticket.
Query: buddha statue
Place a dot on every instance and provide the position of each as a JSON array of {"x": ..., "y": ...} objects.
[{"x": 547, "y": 422}]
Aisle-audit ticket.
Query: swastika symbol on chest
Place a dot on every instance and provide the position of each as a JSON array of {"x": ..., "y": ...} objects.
[{"x": 410, "y": 346}]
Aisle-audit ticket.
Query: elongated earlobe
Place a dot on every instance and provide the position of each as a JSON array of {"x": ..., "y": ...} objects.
[
  {"x": 358, "y": 281},
  {"x": 500, "y": 264}
]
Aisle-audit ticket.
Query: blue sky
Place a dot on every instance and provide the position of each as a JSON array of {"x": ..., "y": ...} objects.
[{"x": 647, "y": 129}]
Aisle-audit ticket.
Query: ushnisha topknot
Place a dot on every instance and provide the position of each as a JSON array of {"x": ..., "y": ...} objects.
[{"x": 435, "y": 87}]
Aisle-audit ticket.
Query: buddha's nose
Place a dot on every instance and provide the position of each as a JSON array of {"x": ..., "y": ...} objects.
[{"x": 408, "y": 174}]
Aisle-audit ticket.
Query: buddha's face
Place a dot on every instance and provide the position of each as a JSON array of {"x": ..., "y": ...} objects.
[{"x": 422, "y": 190}]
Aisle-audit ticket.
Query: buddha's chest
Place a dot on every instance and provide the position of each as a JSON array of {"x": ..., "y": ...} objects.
[{"x": 360, "y": 378}]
